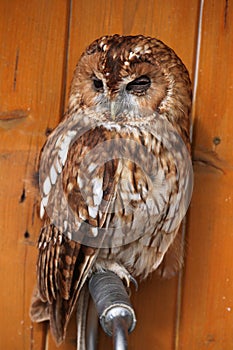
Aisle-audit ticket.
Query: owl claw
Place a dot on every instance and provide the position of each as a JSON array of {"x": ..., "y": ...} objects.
[
  {"x": 126, "y": 277},
  {"x": 119, "y": 270},
  {"x": 134, "y": 281}
]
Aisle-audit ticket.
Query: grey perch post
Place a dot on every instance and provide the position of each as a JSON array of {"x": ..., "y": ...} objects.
[{"x": 114, "y": 309}]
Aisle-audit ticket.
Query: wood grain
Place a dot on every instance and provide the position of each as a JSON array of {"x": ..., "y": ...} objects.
[
  {"x": 207, "y": 309},
  {"x": 32, "y": 48}
]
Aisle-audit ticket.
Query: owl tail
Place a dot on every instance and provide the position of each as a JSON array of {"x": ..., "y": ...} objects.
[
  {"x": 39, "y": 310},
  {"x": 44, "y": 311}
]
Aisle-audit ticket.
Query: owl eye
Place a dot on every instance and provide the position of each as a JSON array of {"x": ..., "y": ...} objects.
[
  {"x": 98, "y": 84},
  {"x": 139, "y": 85}
]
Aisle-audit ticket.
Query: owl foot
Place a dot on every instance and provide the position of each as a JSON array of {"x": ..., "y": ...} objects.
[
  {"x": 123, "y": 274},
  {"x": 119, "y": 270}
]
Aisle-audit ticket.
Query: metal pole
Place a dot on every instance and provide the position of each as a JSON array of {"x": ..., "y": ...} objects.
[
  {"x": 113, "y": 306},
  {"x": 92, "y": 326},
  {"x": 120, "y": 333}
]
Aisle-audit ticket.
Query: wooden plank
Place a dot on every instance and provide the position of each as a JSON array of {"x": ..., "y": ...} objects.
[
  {"x": 207, "y": 315},
  {"x": 155, "y": 303},
  {"x": 32, "y": 48}
]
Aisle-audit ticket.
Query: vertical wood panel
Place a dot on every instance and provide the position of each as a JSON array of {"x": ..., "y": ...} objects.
[
  {"x": 207, "y": 312},
  {"x": 32, "y": 48}
]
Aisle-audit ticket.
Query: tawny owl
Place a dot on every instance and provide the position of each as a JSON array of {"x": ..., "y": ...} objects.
[{"x": 115, "y": 175}]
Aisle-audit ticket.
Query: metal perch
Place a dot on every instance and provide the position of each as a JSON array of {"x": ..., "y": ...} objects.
[{"x": 114, "y": 310}]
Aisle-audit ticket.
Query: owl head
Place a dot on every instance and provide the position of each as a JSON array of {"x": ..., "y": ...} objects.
[{"x": 132, "y": 74}]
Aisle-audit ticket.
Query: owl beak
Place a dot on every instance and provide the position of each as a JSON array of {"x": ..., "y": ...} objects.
[{"x": 113, "y": 109}]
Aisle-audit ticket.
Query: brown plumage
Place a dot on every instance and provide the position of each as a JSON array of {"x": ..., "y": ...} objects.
[{"x": 115, "y": 174}]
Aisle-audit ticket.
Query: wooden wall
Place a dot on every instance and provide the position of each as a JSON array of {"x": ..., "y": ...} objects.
[{"x": 40, "y": 42}]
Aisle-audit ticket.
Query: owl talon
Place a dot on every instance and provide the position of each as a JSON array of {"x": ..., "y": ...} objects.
[
  {"x": 127, "y": 278},
  {"x": 134, "y": 281},
  {"x": 119, "y": 270}
]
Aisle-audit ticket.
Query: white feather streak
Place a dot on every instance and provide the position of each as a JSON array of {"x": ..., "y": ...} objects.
[
  {"x": 42, "y": 211},
  {"x": 93, "y": 211},
  {"x": 53, "y": 175},
  {"x": 47, "y": 186},
  {"x": 94, "y": 230},
  {"x": 63, "y": 154},
  {"x": 98, "y": 190},
  {"x": 58, "y": 166},
  {"x": 45, "y": 201},
  {"x": 80, "y": 182}
]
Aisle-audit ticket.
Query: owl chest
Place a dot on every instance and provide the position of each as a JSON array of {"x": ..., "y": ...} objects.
[{"x": 119, "y": 187}]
